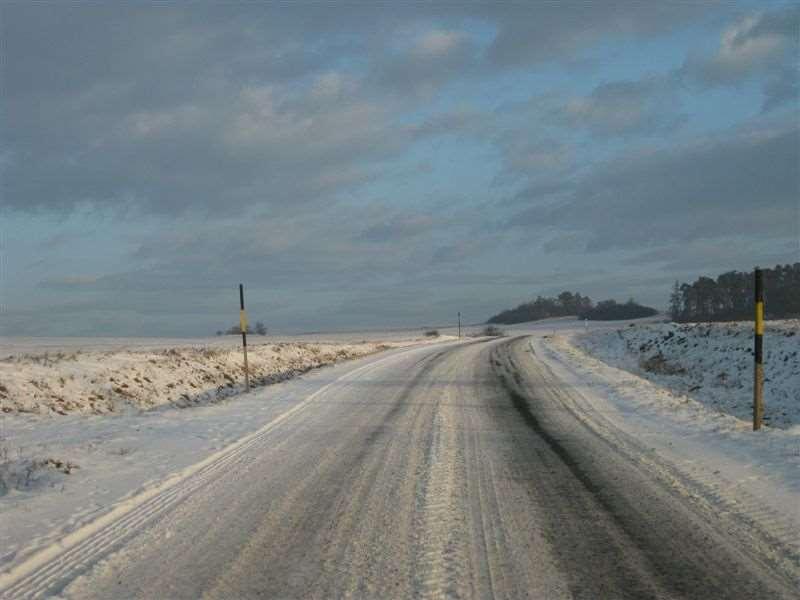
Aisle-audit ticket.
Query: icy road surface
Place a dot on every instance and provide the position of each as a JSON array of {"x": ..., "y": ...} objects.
[{"x": 465, "y": 470}]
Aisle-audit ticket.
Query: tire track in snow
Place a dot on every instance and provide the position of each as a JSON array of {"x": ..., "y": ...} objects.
[
  {"x": 775, "y": 535},
  {"x": 443, "y": 558},
  {"x": 51, "y": 568}
]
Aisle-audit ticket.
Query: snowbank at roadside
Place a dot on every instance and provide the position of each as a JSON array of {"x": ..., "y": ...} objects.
[
  {"x": 102, "y": 382},
  {"x": 711, "y": 363},
  {"x": 715, "y": 457}
]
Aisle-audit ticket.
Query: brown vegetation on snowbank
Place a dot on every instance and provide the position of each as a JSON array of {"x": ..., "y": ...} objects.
[{"x": 108, "y": 382}]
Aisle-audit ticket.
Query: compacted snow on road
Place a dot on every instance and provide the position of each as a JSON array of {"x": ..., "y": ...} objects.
[{"x": 469, "y": 469}]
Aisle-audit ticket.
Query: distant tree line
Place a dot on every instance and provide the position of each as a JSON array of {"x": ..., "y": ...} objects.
[
  {"x": 730, "y": 296},
  {"x": 611, "y": 310},
  {"x": 572, "y": 304},
  {"x": 258, "y": 329}
]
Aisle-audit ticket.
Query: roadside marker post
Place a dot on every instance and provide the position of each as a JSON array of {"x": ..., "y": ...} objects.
[
  {"x": 243, "y": 327},
  {"x": 758, "y": 352},
  {"x": 459, "y": 324}
]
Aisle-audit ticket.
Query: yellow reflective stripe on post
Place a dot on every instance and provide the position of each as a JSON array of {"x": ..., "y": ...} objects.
[
  {"x": 242, "y": 321},
  {"x": 759, "y": 318}
]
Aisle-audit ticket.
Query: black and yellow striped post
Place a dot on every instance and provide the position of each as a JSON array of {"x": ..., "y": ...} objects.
[
  {"x": 758, "y": 351},
  {"x": 243, "y": 327}
]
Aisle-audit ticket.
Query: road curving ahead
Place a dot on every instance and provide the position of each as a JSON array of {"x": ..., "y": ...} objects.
[{"x": 465, "y": 470}]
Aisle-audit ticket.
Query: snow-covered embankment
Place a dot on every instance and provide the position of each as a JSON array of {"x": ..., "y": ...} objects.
[
  {"x": 710, "y": 363},
  {"x": 116, "y": 381}
]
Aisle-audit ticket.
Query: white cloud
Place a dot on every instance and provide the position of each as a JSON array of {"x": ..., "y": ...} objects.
[
  {"x": 744, "y": 49},
  {"x": 761, "y": 47},
  {"x": 437, "y": 43}
]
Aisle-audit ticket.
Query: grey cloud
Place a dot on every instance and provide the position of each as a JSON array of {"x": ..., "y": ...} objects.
[
  {"x": 647, "y": 106},
  {"x": 299, "y": 268},
  {"x": 566, "y": 242},
  {"x": 399, "y": 228},
  {"x": 528, "y": 156},
  {"x": 745, "y": 182},
  {"x": 701, "y": 256},
  {"x": 157, "y": 108},
  {"x": 783, "y": 88},
  {"x": 168, "y": 109},
  {"x": 756, "y": 46},
  {"x": 209, "y": 156},
  {"x": 530, "y": 148},
  {"x": 455, "y": 122},
  {"x": 162, "y": 48},
  {"x": 543, "y": 190},
  {"x": 61, "y": 240},
  {"x": 254, "y": 136},
  {"x": 752, "y": 44},
  {"x": 459, "y": 250},
  {"x": 433, "y": 58},
  {"x": 70, "y": 282},
  {"x": 542, "y": 137},
  {"x": 557, "y": 31},
  {"x": 325, "y": 250}
]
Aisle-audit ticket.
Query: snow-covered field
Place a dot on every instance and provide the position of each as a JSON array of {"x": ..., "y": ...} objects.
[
  {"x": 18, "y": 345},
  {"x": 111, "y": 376},
  {"x": 710, "y": 363}
]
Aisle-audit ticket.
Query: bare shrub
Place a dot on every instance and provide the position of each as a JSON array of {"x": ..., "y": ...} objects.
[
  {"x": 659, "y": 365},
  {"x": 492, "y": 331}
]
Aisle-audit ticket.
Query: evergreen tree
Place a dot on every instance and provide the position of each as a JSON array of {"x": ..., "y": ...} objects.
[
  {"x": 730, "y": 296},
  {"x": 675, "y": 302}
]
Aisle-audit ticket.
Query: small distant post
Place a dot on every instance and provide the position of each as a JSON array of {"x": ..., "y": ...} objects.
[
  {"x": 758, "y": 352},
  {"x": 459, "y": 324},
  {"x": 243, "y": 327}
]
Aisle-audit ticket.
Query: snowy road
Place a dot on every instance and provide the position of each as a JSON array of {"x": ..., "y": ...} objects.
[{"x": 464, "y": 470}]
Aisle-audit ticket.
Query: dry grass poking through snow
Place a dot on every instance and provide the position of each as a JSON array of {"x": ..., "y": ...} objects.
[
  {"x": 107, "y": 382},
  {"x": 24, "y": 473}
]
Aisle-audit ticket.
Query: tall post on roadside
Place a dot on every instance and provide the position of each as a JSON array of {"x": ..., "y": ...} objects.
[
  {"x": 243, "y": 327},
  {"x": 459, "y": 324},
  {"x": 758, "y": 352}
]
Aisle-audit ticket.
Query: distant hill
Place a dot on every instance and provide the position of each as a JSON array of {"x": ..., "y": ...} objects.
[
  {"x": 572, "y": 304},
  {"x": 566, "y": 304}
]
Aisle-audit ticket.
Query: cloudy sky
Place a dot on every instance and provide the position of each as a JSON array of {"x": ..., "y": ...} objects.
[{"x": 366, "y": 164}]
